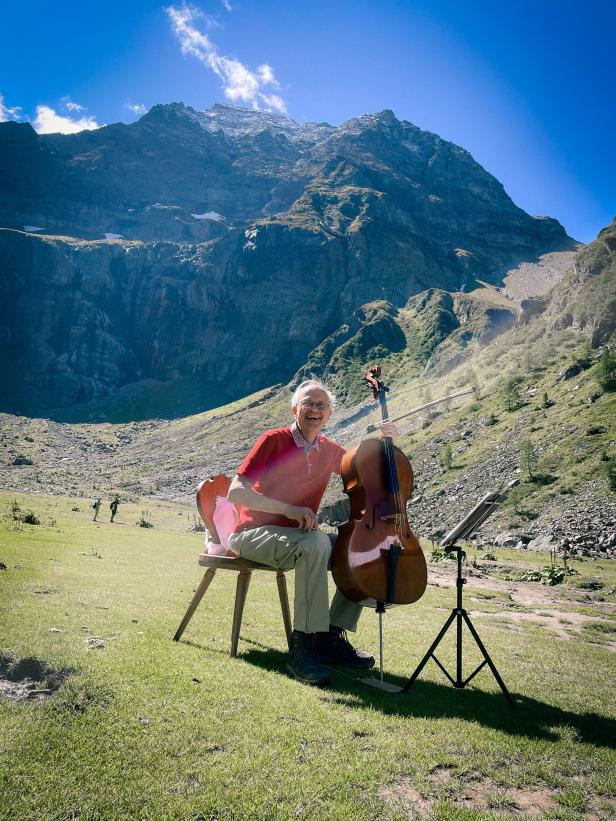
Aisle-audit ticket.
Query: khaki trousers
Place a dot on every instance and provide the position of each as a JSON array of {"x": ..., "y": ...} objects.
[{"x": 308, "y": 552}]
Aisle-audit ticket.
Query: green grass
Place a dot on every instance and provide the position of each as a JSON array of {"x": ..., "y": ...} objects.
[{"x": 149, "y": 728}]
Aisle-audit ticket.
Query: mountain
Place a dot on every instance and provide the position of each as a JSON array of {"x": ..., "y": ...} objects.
[
  {"x": 558, "y": 404},
  {"x": 212, "y": 251},
  {"x": 586, "y": 299},
  {"x": 431, "y": 334}
]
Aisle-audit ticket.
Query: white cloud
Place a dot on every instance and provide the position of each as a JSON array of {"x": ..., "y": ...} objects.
[
  {"x": 48, "y": 121},
  {"x": 70, "y": 105},
  {"x": 7, "y": 113},
  {"x": 239, "y": 83},
  {"x": 226, "y": 4},
  {"x": 136, "y": 108},
  {"x": 273, "y": 101}
]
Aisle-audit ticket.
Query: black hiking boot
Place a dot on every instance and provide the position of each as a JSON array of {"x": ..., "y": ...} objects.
[
  {"x": 335, "y": 648},
  {"x": 302, "y": 662}
]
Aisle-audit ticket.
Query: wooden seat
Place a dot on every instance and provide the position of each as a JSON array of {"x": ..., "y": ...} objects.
[{"x": 207, "y": 494}]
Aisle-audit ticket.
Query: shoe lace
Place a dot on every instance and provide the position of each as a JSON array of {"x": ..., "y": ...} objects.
[{"x": 341, "y": 635}]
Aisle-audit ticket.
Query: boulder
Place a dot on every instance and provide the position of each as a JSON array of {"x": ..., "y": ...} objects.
[
  {"x": 22, "y": 460},
  {"x": 541, "y": 543},
  {"x": 506, "y": 540}
]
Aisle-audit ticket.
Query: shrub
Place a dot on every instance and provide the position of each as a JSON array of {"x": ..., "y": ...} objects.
[
  {"x": 553, "y": 575},
  {"x": 550, "y": 575},
  {"x": 195, "y": 525},
  {"x": 600, "y": 627},
  {"x": 144, "y": 521},
  {"x": 438, "y": 554},
  {"x": 447, "y": 456},
  {"x": 29, "y": 517},
  {"x": 531, "y": 576}
]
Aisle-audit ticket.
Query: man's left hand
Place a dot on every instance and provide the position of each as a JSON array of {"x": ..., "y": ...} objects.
[{"x": 387, "y": 429}]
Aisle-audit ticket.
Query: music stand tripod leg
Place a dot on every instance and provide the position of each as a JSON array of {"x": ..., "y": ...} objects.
[
  {"x": 489, "y": 661},
  {"x": 460, "y": 615},
  {"x": 429, "y": 654}
]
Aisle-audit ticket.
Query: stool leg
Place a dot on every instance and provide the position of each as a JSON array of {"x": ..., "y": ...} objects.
[
  {"x": 284, "y": 603},
  {"x": 243, "y": 580},
  {"x": 199, "y": 593}
]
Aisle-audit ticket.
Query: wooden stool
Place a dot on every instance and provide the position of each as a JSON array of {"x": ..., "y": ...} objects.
[{"x": 207, "y": 492}]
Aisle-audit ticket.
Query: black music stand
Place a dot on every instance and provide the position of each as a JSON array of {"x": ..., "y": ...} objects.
[{"x": 462, "y": 530}]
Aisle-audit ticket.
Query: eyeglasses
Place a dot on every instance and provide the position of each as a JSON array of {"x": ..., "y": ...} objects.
[{"x": 308, "y": 403}]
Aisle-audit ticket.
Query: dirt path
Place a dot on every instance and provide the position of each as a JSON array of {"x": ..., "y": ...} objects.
[{"x": 553, "y": 608}]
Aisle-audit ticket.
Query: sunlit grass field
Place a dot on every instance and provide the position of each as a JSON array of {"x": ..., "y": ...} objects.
[{"x": 144, "y": 727}]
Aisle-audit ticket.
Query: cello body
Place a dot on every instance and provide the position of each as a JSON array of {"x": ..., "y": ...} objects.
[{"x": 376, "y": 554}]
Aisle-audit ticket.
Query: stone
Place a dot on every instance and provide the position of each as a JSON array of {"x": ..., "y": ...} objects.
[
  {"x": 541, "y": 543},
  {"x": 506, "y": 540}
]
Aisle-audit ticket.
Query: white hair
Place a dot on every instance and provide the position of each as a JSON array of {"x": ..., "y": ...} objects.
[{"x": 312, "y": 383}]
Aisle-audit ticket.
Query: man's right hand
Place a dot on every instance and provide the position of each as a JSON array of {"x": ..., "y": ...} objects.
[
  {"x": 306, "y": 517},
  {"x": 242, "y": 493}
]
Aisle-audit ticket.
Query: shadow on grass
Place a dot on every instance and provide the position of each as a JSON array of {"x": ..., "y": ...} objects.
[
  {"x": 199, "y": 646},
  {"x": 427, "y": 699}
]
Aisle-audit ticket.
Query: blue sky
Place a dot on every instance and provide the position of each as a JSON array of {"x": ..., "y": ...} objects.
[{"x": 527, "y": 87}]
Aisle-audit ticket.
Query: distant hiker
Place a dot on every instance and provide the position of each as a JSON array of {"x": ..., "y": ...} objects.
[
  {"x": 96, "y": 506},
  {"x": 114, "y": 507}
]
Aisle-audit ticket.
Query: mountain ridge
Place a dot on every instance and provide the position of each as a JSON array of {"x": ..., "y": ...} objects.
[{"x": 190, "y": 243}]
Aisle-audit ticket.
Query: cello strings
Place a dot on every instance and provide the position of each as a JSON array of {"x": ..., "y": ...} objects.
[
  {"x": 397, "y": 493},
  {"x": 391, "y": 466},
  {"x": 395, "y": 485}
]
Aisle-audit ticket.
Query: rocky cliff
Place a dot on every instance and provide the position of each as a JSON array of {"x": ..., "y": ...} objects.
[
  {"x": 221, "y": 247},
  {"x": 586, "y": 298}
]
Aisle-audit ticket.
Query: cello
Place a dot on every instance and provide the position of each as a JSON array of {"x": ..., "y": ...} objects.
[{"x": 376, "y": 555}]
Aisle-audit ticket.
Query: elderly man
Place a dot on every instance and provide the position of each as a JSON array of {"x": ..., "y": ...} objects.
[{"x": 279, "y": 487}]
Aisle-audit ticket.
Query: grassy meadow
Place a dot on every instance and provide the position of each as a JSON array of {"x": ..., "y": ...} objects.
[{"x": 137, "y": 726}]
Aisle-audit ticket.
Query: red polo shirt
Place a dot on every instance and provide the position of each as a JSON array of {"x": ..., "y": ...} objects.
[{"x": 283, "y": 466}]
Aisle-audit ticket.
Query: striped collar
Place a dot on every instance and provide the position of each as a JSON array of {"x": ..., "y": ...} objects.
[{"x": 299, "y": 440}]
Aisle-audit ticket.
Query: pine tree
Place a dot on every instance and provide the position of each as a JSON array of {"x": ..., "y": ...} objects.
[
  {"x": 606, "y": 371},
  {"x": 528, "y": 459},
  {"x": 447, "y": 457},
  {"x": 511, "y": 394}
]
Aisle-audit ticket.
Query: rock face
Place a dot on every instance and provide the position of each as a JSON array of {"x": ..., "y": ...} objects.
[
  {"x": 435, "y": 328},
  {"x": 225, "y": 245},
  {"x": 586, "y": 298}
]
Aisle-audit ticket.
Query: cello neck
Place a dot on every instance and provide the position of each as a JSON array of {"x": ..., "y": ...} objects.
[
  {"x": 388, "y": 446},
  {"x": 383, "y": 404}
]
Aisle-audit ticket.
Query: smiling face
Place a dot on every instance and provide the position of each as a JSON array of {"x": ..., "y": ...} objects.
[{"x": 312, "y": 411}]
